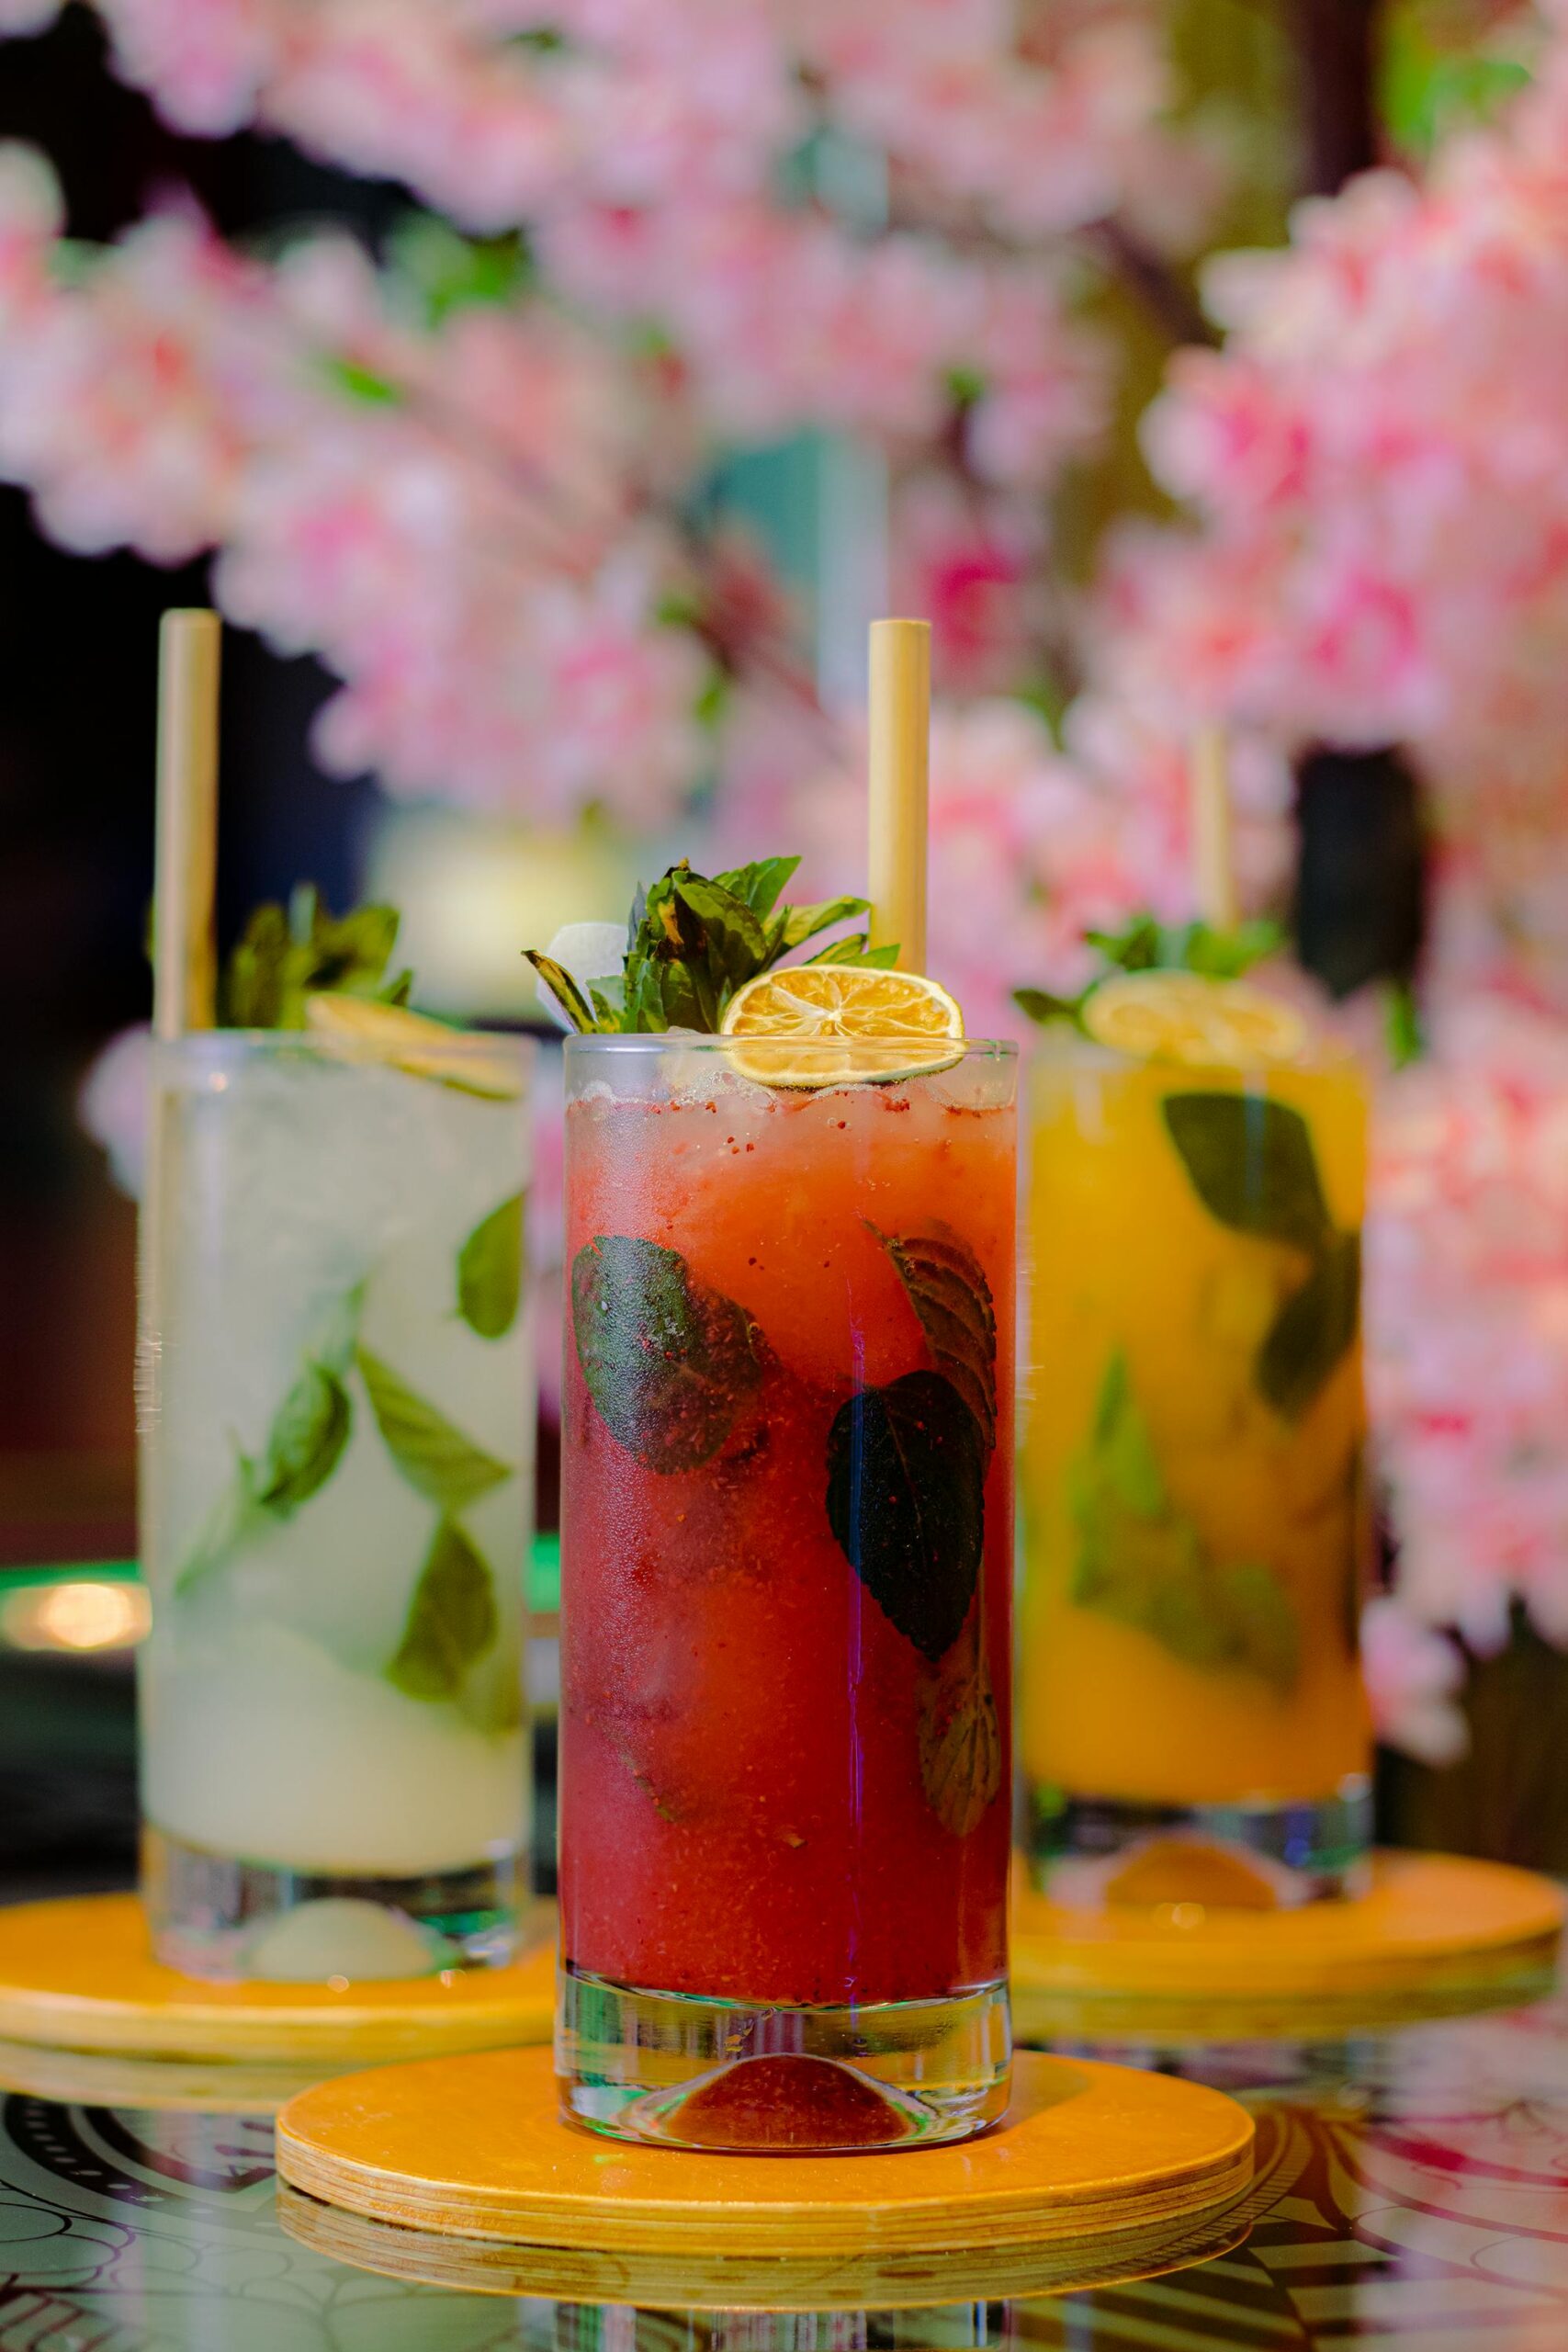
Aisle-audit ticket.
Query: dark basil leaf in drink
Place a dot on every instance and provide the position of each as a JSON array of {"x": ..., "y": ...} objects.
[
  {"x": 432, "y": 1454},
  {"x": 961, "y": 1744},
  {"x": 667, "y": 1361},
  {"x": 452, "y": 1619},
  {"x": 489, "y": 1272},
  {"x": 1252, "y": 1165},
  {"x": 947, "y": 1288},
  {"x": 309, "y": 1433},
  {"x": 1312, "y": 1330},
  {"x": 906, "y": 1502}
]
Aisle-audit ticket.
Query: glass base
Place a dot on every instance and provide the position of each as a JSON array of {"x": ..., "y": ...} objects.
[
  {"x": 228, "y": 1921},
  {"x": 1228, "y": 1856},
  {"x": 689, "y": 2073}
]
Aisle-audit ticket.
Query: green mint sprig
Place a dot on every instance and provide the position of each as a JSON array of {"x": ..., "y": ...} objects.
[
  {"x": 1145, "y": 944},
  {"x": 693, "y": 939},
  {"x": 285, "y": 953}
]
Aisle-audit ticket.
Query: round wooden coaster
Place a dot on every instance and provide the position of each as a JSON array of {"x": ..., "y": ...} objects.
[
  {"x": 1434, "y": 1936},
  {"x": 695, "y": 2280},
  {"x": 1095, "y": 2170},
  {"x": 79, "y": 1975}
]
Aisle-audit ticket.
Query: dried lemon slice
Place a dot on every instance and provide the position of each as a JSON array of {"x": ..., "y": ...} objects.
[
  {"x": 362, "y": 1030},
  {"x": 1182, "y": 1017},
  {"x": 884, "y": 1025}
]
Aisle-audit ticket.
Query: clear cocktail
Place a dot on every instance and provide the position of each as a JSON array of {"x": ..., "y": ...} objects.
[
  {"x": 788, "y": 1538},
  {"x": 1195, "y": 1510},
  {"x": 336, "y": 1405}
]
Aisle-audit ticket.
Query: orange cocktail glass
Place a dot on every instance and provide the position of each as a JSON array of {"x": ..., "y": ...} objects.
[
  {"x": 1191, "y": 1715},
  {"x": 788, "y": 1524}
]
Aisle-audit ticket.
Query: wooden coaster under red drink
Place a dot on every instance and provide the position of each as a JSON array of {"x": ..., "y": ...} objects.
[
  {"x": 78, "y": 1980},
  {"x": 1095, "y": 2172},
  {"x": 1433, "y": 1935}
]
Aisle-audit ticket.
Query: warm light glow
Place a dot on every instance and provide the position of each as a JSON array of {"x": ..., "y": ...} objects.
[{"x": 76, "y": 1616}]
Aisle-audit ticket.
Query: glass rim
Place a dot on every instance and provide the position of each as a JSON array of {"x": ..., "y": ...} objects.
[
  {"x": 1061, "y": 1042},
  {"x": 224, "y": 1043},
  {"x": 697, "y": 1041}
]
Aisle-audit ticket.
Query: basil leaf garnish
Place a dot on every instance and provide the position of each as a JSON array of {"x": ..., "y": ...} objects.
[
  {"x": 309, "y": 1433},
  {"x": 432, "y": 1454},
  {"x": 452, "y": 1619},
  {"x": 906, "y": 1502},
  {"x": 1252, "y": 1165},
  {"x": 1312, "y": 1330},
  {"x": 947, "y": 1288},
  {"x": 489, "y": 1272},
  {"x": 961, "y": 1744},
  {"x": 667, "y": 1361}
]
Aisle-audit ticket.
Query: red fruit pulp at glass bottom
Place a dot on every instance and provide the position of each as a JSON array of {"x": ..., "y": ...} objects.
[{"x": 742, "y": 1812}]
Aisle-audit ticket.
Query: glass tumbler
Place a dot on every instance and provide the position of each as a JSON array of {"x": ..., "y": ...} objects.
[
  {"x": 336, "y": 1432},
  {"x": 786, "y": 1572},
  {"x": 1191, "y": 1714}
]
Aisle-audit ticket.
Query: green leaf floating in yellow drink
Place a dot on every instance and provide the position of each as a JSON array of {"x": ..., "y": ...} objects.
[
  {"x": 1313, "y": 1329},
  {"x": 452, "y": 1619},
  {"x": 1252, "y": 1164},
  {"x": 432, "y": 1454},
  {"x": 1142, "y": 1562},
  {"x": 489, "y": 1272}
]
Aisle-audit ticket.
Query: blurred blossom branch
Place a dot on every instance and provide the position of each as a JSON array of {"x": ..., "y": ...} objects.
[{"x": 476, "y": 480}]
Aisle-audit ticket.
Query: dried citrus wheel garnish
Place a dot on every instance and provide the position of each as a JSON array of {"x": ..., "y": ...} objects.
[
  {"x": 1182, "y": 1017},
  {"x": 884, "y": 1025},
  {"x": 362, "y": 1030}
]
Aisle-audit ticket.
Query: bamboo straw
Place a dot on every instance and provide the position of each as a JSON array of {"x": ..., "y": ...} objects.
[
  {"x": 1214, "y": 866},
  {"x": 185, "y": 866},
  {"x": 899, "y": 753}
]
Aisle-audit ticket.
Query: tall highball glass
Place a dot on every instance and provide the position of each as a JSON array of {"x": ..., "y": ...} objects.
[
  {"x": 336, "y": 1457},
  {"x": 786, "y": 1571},
  {"x": 1191, "y": 1716}
]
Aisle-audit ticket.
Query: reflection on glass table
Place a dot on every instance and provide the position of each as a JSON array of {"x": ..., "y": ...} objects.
[{"x": 1412, "y": 2192}]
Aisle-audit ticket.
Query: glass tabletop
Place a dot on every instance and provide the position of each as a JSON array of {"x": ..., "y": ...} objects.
[{"x": 1412, "y": 2192}]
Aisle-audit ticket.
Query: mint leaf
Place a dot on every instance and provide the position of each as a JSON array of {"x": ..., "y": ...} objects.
[
  {"x": 433, "y": 1455},
  {"x": 284, "y": 956},
  {"x": 1252, "y": 1165},
  {"x": 906, "y": 1502},
  {"x": 305, "y": 1442},
  {"x": 693, "y": 940},
  {"x": 947, "y": 1288},
  {"x": 961, "y": 1746},
  {"x": 565, "y": 991},
  {"x": 1312, "y": 1330},
  {"x": 760, "y": 884},
  {"x": 234, "y": 1517},
  {"x": 451, "y": 1620},
  {"x": 802, "y": 924},
  {"x": 1141, "y": 1561},
  {"x": 1041, "y": 1006},
  {"x": 668, "y": 1363},
  {"x": 307, "y": 1438},
  {"x": 489, "y": 1272},
  {"x": 857, "y": 949}
]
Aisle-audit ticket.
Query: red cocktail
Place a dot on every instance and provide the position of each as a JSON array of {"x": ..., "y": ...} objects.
[{"x": 788, "y": 1516}]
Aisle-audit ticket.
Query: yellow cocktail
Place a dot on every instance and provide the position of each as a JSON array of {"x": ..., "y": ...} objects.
[{"x": 1195, "y": 1505}]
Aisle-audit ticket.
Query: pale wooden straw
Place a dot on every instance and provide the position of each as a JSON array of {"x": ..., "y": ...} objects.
[
  {"x": 899, "y": 754},
  {"x": 184, "y": 976},
  {"x": 183, "y": 953},
  {"x": 1213, "y": 866}
]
